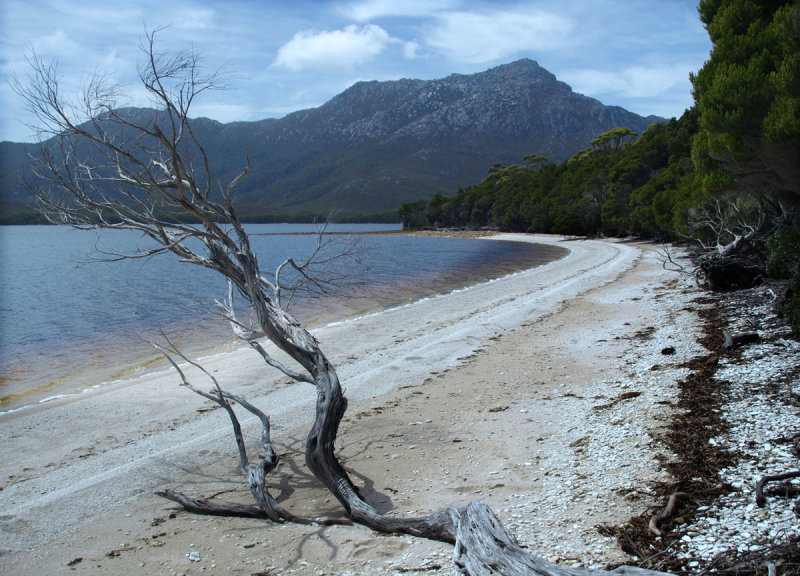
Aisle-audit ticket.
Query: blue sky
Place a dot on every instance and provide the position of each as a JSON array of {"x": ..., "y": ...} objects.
[{"x": 283, "y": 56}]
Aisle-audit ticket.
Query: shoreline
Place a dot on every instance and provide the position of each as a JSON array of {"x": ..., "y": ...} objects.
[
  {"x": 64, "y": 467},
  {"x": 97, "y": 373}
]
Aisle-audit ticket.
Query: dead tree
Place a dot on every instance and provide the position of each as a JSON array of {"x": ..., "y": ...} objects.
[
  {"x": 108, "y": 169},
  {"x": 732, "y": 236}
]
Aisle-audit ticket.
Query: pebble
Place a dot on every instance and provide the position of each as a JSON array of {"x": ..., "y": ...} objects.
[
  {"x": 560, "y": 522},
  {"x": 756, "y": 414}
]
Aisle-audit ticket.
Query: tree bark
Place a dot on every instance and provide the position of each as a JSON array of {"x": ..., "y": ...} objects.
[
  {"x": 160, "y": 184},
  {"x": 484, "y": 547}
]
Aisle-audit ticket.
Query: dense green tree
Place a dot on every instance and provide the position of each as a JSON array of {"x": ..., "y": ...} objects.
[
  {"x": 748, "y": 94},
  {"x": 613, "y": 187},
  {"x": 613, "y": 139},
  {"x": 748, "y": 97},
  {"x": 412, "y": 214}
]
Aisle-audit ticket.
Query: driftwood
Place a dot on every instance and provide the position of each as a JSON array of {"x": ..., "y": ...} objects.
[
  {"x": 666, "y": 513},
  {"x": 760, "y": 500},
  {"x": 732, "y": 236},
  {"x": 740, "y": 339},
  {"x": 159, "y": 183},
  {"x": 485, "y": 548},
  {"x": 208, "y": 508}
]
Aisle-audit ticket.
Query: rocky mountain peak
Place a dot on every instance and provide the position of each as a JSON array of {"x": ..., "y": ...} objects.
[{"x": 379, "y": 144}]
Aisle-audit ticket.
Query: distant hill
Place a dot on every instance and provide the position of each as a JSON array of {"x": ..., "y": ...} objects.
[{"x": 380, "y": 144}]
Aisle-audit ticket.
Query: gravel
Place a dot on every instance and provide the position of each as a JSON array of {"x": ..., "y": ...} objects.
[
  {"x": 623, "y": 457},
  {"x": 760, "y": 389}
]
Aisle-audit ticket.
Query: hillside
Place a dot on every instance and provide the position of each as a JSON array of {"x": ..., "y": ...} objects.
[{"x": 379, "y": 144}]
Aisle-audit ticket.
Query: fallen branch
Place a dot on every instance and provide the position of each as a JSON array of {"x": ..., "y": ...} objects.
[
  {"x": 666, "y": 513},
  {"x": 212, "y": 508},
  {"x": 207, "y": 507},
  {"x": 760, "y": 500},
  {"x": 485, "y": 548},
  {"x": 741, "y": 339}
]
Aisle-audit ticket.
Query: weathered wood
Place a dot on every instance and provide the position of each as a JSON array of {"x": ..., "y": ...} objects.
[
  {"x": 736, "y": 257},
  {"x": 200, "y": 506},
  {"x": 161, "y": 177},
  {"x": 740, "y": 339},
  {"x": 666, "y": 513},
  {"x": 230, "y": 509},
  {"x": 760, "y": 500},
  {"x": 484, "y": 547}
]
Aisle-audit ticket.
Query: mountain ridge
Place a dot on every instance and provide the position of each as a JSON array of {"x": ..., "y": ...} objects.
[{"x": 379, "y": 144}]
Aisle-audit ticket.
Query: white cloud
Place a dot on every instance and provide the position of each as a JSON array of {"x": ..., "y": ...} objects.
[
  {"x": 634, "y": 81},
  {"x": 56, "y": 43},
  {"x": 475, "y": 38},
  {"x": 195, "y": 18},
  {"x": 410, "y": 49},
  {"x": 338, "y": 49},
  {"x": 373, "y": 9}
]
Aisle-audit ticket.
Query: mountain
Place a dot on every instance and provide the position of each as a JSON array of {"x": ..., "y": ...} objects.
[{"x": 379, "y": 144}]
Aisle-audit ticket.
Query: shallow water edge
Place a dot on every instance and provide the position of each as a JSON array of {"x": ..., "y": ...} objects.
[{"x": 99, "y": 361}]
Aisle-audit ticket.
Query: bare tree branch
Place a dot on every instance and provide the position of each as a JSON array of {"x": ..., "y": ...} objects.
[
  {"x": 111, "y": 168},
  {"x": 731, "y": 235}
]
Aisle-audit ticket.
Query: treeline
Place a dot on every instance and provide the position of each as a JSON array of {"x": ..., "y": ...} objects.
[
  {"x": 725, "y": 175},
  {"x": 620, "y": 185}
]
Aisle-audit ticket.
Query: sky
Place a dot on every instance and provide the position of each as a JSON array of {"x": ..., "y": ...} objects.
[{"x": 279, "y": 56}]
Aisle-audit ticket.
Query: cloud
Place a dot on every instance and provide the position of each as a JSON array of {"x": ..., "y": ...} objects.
[
  {"x": 410, "y": 49},
  {"x": 374, "y": 9},
  {"x": 634, "y": 81},
  {"x": 663, "y": 90},
  {"x": 344, "y": 48},
  {"x": 56, "y": 43},
  {"x": 476, "y": 38},
  {"x": 223, "y": 112},
  {"x": 195, "y": 18}
]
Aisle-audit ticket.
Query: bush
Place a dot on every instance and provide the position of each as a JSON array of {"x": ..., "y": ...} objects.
[
  {"x": 784, "y": 263},
  {"x": 790, "y": 307},
  {"x": 784, "y": 252}
]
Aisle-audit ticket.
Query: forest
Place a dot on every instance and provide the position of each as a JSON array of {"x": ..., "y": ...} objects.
[
  {"x": 615, "y": 187},
  {"x": 724, "y": 177}
]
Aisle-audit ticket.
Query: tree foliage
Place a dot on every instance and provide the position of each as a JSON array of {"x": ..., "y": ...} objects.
[
  {"x": 617, "y": 186},
  {"x": 748, "y": 148},
  {"x": 748, "y": 94}
]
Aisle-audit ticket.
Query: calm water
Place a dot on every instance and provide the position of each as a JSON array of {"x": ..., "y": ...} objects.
[{"x": 67, "y": 324}]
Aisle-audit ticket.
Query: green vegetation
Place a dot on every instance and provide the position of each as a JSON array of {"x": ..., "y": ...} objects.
[
  {"x": 727, "y": 173},
  {"x": 615, "y": 187},
  {"x": 748, "y": 94},
  {"x": 19, "y": 213},
  {"x": 748, "y": 97}
]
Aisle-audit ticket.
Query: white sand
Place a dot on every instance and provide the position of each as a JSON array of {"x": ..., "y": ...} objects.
[{"x": 78, "y": 475}]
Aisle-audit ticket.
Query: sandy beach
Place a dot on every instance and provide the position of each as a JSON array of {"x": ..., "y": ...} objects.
[{"x": 541, "y": 393}]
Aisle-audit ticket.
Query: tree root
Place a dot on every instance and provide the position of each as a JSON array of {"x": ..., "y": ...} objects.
[
  {"x": 485, "y": 548},
  {"x": 199, "y": 506}
]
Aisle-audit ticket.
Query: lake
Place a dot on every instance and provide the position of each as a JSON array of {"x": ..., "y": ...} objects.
[{"x": 68, "y": 323}]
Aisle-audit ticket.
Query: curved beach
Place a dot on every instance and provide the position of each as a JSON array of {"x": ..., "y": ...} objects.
[{"x": 485, "y": 393}]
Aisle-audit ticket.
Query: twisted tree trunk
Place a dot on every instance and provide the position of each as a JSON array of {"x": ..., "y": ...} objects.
[{"x": 160, "y": 184}]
